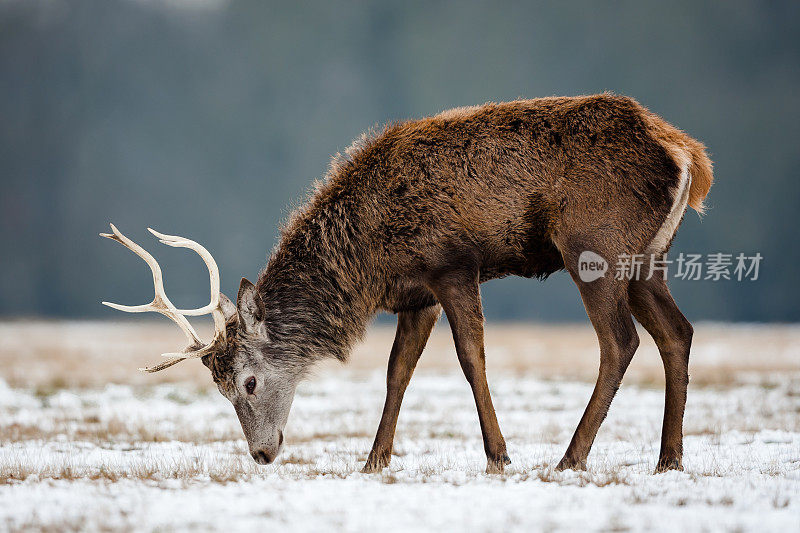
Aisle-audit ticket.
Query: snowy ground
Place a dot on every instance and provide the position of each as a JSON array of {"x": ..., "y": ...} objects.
[{"x": 78, "y": 452}]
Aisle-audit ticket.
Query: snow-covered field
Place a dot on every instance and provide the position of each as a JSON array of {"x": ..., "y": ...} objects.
[{"x": 88, "y": 444}]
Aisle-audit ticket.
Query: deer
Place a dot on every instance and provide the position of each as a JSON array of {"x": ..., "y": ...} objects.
[{"x": 415, "y": 216}]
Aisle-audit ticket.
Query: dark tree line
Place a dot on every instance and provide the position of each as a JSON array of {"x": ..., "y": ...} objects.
[{"x": 211, "y": 121}]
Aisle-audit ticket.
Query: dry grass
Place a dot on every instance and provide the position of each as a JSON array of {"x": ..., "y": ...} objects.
[
  {"x": 110, "y": 431},
  {"x": 548, "y": 474},
  {"x": 151, "y": 439},
  {"x": 150, "y": 454},
  {"x": 50, "y": 356},
  {"x": 219, "y": 469}
]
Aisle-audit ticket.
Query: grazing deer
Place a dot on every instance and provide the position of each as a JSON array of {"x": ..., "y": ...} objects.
[{"x": 413, "y": 219}]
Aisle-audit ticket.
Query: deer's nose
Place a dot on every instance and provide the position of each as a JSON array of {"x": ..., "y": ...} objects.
[
  {"x": 265, "y": 452},
  {"x": 263, "y": 457}
]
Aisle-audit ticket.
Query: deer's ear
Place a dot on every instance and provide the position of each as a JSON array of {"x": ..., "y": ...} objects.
[
  {"x": 250, "y": 307},
  {"x": 228, "y": 307}
]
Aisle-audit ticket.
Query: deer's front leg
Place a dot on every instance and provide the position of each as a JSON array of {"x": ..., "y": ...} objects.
[
  {"x": 459, "y": 295},
  {"x": 413, "y": 330}
]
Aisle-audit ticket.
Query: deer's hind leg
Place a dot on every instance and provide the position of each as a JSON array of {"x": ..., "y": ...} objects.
[
  {"x": 654, "y": 308},
  {"x": 606, "y": 303},
  {"x": 413, "y": 330}
]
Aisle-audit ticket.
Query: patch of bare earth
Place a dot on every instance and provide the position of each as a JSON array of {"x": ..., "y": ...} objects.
[{"x": 53, "y": 355}]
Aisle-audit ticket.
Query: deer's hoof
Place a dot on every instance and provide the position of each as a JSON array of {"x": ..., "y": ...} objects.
[
  {"x": 668, "y": 463},
  {"x": 375, "y": 463},
  {"x": 497, "y": 466},
  {"x": 567, "y": 463}
]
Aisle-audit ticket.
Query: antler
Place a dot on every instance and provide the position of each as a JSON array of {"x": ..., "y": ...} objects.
[{"x": 161, "y": 303}]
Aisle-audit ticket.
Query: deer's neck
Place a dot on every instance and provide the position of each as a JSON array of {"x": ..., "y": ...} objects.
[{"x": 319, "y": 287}]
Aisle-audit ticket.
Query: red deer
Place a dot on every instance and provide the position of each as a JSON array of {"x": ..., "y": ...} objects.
[{"x": 414, "y": 218}]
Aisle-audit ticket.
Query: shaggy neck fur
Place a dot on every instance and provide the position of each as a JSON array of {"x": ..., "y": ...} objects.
[{"x": 319, "y": 287}]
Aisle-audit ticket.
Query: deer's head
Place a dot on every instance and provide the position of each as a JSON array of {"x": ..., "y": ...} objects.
[{"x": 257, "y": 375}]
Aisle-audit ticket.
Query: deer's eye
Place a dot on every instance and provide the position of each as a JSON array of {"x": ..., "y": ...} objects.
[{"x": 250, "y": 384}]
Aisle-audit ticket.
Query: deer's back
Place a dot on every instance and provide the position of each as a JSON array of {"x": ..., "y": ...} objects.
[{"x": 493, "y": 184}]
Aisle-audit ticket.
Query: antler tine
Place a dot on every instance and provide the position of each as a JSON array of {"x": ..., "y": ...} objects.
[
  {"x": 161, "y": 366},
  {"x": 161, "y": 303},
  {"x": 213, "y": 306},
  {"x": 211, "y": 264}
]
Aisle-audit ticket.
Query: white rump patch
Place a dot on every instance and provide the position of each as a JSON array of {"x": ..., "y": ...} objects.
[{"x": 681, "y": 199}]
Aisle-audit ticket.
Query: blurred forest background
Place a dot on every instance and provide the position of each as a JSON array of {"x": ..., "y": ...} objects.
[{"x": 211, "y": 119}]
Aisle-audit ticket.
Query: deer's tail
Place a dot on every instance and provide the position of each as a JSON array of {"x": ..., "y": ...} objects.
[
  {"x": 688, "y": 153},
  {"x": 701, "y": 172}
]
